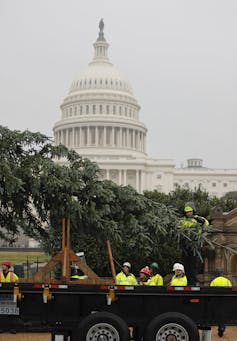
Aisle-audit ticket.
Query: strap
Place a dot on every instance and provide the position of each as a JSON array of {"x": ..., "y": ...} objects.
[{"x": 11, "y": 276}]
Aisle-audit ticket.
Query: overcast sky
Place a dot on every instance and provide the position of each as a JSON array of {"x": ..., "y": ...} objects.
[{"x": 180, "y": 57}]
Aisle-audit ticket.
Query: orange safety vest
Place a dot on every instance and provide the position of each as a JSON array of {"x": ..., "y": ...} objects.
[{"x": 11, "y": 277}]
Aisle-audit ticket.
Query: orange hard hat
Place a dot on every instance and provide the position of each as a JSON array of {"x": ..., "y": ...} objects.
[{"x": 7, "y": 263}]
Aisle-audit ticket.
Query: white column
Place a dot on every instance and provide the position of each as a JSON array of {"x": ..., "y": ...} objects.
[
  {"x": 127, "y": 132},
  {"x": 80, "y": 136},
  {"x": 109, "y": 136},
  {"x": 66, "y": 138},
  {"x": 107, "y": 174},
  {"x": 137, "y": 180},
  {"x": 73, "y": 137},
  {"x": 120, "y": 137},
  {"x": 77, "y": 137},
  {"x": 133, "y": 139},
  {"x": 112, "y": 137},
  {"x": 125, "y": 177},
  {"x": 96, "y": 137},
  {"x": 120, "y": 177},
  {"x": 88, "y": 136},
  {"x": 142, "y": 181},
  {"x": 104, "y": 137}
]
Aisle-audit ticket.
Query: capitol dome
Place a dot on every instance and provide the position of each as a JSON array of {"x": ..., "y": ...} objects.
[
  {"x": 100, "y": 121},
  {"x": 101, "y": 76},
  {"x": 100, "y": 115}
]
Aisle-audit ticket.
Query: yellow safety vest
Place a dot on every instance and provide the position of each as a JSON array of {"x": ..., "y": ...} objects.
[
  {"x": 155, "y": 280},
  {"x": 122, "y": 279},
  {"x": 221, "y": 282},
  {"x": 11, "y": 277},
  {"x": 179, "y": 281},
  {"x": 186, "y": 222},
  {"x": 75, "y": 277}
]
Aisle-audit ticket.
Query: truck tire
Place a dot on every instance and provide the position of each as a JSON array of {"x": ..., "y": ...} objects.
[
  {"x": 171, "y": 326},
  {"x": 103, "y": 326}
]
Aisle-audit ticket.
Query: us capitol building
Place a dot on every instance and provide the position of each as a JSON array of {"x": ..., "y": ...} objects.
[{"x": 100, "y": 120}]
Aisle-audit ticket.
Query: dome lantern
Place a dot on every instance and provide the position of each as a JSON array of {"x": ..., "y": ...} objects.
[{"x": 101, "y": 46}]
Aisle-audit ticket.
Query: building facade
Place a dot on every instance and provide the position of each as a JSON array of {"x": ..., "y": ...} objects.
[
  {"x": 100, "y": 120},
  {"x": 225, "y": 239}
]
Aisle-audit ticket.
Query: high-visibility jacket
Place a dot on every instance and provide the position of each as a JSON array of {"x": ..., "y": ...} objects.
[
  {"x": 221, "y": 281},
  {"x": 179, "y": 281},
  {"x": 155, "y": 280},
  {"x": 188, "y": 222},
  {"x": 123, "y": 279},
  {"x": 11, "y": 277},
  {"x": 75, "y": 277}
]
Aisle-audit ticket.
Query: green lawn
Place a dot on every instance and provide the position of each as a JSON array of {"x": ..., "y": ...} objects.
[{"x": 21, "y": 257}]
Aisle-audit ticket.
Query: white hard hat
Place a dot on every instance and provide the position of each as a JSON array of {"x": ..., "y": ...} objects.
[
  {"x": 178, "y": 266},
  {"x": 127, "y": 264}
]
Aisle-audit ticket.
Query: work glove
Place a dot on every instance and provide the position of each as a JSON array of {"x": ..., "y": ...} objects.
[{"x": 200, "y": 220}]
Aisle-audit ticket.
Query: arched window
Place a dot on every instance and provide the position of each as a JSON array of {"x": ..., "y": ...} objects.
[
  {"x": 101, "y": 109},
  {"x": 87, "y": 109},
  {"x": 93, "y": 108},
  {"x": 114, "y": 110},
  {"x": 107, "y": 109}
]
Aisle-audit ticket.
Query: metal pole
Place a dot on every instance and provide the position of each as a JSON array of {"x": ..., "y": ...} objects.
[
  {"x": 27, "y": 267},
  {"x": 111, "y": 260},
  {"x": 206, "y": 335}
]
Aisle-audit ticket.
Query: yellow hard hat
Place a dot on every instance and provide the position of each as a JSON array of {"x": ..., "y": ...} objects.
[{"x": 188, "y": 209}]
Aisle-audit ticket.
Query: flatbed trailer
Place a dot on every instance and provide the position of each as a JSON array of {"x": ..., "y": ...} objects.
[{"x": 104, "y": 312}]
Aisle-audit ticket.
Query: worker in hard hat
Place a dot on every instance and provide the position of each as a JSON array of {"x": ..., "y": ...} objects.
[
  {"x": 144, "y": 275},
  {"x": 220, "y": 281},
  {"x": 155, "y": 278},
  {"x": 125, "y": 277},
  {"x": 191, "y": 221},
  {"x": 75, "y": 276},
  {"x": 6, "y": 275},
  {"x": 179, "y": 279}
]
